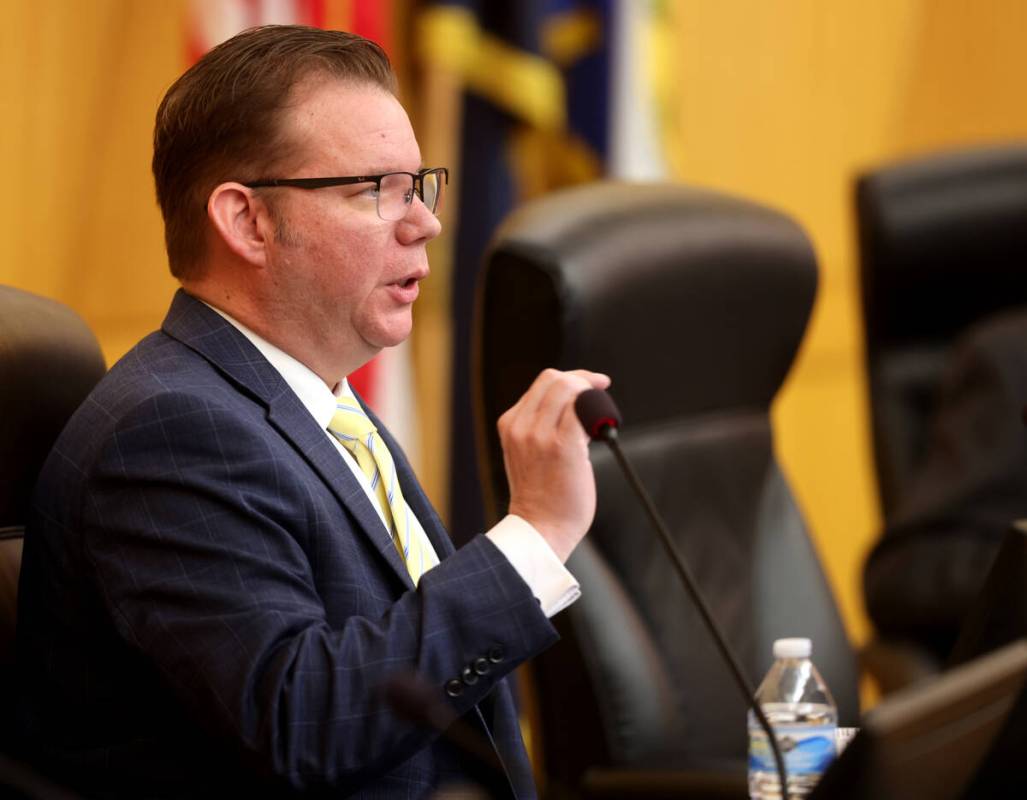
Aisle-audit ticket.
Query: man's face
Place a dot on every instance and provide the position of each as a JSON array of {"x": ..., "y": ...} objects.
[{"x": 345, "y": 275}]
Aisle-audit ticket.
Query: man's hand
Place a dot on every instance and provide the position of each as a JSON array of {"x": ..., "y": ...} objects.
[{"x": 545, "y": 451}]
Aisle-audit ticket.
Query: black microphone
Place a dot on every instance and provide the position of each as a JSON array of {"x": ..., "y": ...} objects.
[
  {"x": 601, "y": 419},
  {"x": 597, "y": 413}
]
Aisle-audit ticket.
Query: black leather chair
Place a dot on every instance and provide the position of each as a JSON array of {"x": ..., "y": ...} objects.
[
  {"x": 695, "y": 304},
  {"x": 943, "y": 244},
  {"x": 49, "y": 361}
]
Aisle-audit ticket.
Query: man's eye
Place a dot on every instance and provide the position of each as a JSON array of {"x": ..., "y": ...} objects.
[{"x": 370, "y": 191}]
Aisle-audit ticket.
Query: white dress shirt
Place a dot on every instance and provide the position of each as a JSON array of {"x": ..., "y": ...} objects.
[{"x": 528, "y": 553}]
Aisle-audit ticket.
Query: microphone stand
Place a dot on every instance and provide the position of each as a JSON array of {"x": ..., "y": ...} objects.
[{"x": 608, "y": 434}]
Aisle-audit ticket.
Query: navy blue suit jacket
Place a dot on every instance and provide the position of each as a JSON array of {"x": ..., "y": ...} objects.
[{"x": 209, "y": 603}]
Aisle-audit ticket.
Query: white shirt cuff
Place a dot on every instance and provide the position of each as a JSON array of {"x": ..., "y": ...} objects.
[{"x": 536, "y": 563}]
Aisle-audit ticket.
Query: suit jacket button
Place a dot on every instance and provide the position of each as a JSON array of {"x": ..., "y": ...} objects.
[
  {"x": 469, "y": 676},
  {"x": 496, "y": 654},
  {"x": 482, "y": 666},
  {"x": 454, "y": 688}
]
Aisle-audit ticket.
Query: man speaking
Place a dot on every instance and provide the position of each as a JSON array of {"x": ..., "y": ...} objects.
[{"x": 229, "y": 561}]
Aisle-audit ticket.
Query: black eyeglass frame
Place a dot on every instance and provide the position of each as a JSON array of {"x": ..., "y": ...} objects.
[{"x": 323, "y": 183}]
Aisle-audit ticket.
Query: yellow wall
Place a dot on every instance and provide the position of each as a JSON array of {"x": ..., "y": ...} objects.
[
  {"x": 782, "y": 101},
  {"x": 80, "y": 84}
]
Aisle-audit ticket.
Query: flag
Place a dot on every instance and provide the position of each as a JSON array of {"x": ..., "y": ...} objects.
[
  {"x": 534, "y": 80},
  {"x": 213, "y": 21},
  {"x": 386, "y": 383},
  {"x": 643, "y": 87}
]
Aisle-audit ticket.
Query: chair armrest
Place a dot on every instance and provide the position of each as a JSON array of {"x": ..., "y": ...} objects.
[{"x": 894, "y": 664}]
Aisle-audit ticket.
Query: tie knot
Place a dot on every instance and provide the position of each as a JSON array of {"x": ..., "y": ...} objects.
[{"x": 350, "y": 421}]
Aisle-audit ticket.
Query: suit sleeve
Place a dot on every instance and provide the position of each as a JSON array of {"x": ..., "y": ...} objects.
[
  {"x": 935, "y": 552},
  {"x": 194, "y": 530}
]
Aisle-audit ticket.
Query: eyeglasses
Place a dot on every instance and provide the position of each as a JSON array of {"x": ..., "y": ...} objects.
[{"x": 394, "y": 191}]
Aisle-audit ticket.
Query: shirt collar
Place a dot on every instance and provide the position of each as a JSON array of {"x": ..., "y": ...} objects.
[{"x": 313, "y": 393}]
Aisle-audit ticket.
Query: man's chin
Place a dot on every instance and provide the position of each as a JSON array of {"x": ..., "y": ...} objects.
[{"x": 390, "y": 337}]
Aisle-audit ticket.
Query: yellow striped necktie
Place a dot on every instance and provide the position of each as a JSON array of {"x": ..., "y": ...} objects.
[{"x": 355, "y": 431}]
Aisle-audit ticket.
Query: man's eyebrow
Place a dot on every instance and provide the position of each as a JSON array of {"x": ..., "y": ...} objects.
[{"x": 387, "y": 170}]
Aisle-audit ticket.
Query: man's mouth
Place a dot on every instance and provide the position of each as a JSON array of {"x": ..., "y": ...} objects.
[{"x": 405, "y": 290}]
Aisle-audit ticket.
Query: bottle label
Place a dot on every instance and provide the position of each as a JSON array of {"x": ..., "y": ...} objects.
[{"x": 806, "y": 749}]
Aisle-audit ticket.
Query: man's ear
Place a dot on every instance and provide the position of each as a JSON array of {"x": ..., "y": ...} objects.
[{"x": 241, "y": 220}]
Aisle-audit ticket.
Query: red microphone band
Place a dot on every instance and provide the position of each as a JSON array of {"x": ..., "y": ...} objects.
[{"x": 597, "y": 412}]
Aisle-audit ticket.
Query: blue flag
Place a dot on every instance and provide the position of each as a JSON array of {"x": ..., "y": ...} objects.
[{"x": 535, "y": 79}]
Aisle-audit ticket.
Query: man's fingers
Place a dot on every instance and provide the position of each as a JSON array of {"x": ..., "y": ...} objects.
[
  {"x": 558, "y": 398},
  {"x": 545, "y": 399},
  {"x": 597, "y": 380}
]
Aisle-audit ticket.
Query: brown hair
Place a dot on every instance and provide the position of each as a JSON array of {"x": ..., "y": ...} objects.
[{"x": 220, "y": 120}]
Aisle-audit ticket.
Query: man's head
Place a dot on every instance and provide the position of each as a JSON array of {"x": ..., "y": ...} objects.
[
  {"x": 222, "y": 120},
  {"x": 323, "y": 273}
]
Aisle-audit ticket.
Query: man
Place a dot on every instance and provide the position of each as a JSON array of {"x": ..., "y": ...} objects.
[
  {"x": 225, "y": 589},
  {"x": 925, "y": 572}
]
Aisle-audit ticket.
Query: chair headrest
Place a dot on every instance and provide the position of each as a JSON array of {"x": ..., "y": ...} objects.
[
  {"x": 943, "y": 242},
  {"x": 690, "y": 299},
  {"x": 49, "y": 361}
]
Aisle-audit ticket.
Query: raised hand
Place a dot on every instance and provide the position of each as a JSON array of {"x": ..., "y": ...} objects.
[{"x": 545, "y": 452}]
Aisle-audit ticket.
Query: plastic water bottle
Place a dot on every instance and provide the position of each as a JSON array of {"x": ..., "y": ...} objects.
[{"x": 804, "y": 717}]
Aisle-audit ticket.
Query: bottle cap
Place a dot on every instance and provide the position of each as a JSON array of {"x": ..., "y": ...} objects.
[{"x": 792, "y": 648}]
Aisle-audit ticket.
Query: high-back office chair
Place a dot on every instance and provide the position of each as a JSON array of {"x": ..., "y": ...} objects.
[
  {"x": 695, "y": 304},
  {"x": 943, "y": 244},
  {"x": 49, "y": 361}
]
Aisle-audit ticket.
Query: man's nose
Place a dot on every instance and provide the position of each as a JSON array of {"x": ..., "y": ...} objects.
[{"x": 418, "y": 224}]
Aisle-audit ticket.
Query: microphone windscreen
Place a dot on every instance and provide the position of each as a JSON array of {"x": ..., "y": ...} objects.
[{"x": 597, "y": 412}]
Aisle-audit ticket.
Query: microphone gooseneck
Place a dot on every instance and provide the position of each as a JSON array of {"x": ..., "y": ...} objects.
[{"x": 601, "y": 419}]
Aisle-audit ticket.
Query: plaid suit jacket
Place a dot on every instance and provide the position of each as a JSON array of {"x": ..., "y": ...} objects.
[{"x": 211, "y": 606}]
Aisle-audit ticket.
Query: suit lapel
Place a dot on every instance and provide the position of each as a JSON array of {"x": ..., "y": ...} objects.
[
  {"x": 293, "y": 421},
  {"x": 209, "y": 334}
]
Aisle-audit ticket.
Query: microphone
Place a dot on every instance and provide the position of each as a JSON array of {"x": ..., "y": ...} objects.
[
  {"x": 597, "y": 413},
  {"x": 601, "y": 420}
]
